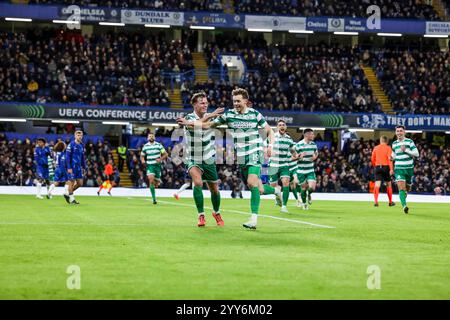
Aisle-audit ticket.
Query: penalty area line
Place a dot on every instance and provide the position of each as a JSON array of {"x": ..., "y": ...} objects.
[{"x": 246, "y": 213}]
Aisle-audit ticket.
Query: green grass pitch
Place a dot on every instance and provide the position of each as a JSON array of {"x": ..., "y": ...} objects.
[{"x": 128, "y": 248}]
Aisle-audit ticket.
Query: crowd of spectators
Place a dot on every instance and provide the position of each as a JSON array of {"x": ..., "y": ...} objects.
[
  {"x": 50, "y": 65},
  {"x": 179, "y": 5},
  {"x": 17, "y": 166},
  {"x": 315, "y": 78},
  {"x": 407, "y": 9},
  {"x": 415, "y": 81}
]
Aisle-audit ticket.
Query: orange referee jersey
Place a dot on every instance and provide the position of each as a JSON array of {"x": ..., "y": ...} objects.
[
  {"x": 108, "y": 169},
  {"x": 381, "y": 156}
]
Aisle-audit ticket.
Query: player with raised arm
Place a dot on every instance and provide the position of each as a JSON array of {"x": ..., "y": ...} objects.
[
  {"x": 75, "y": 163},
  {"x": 282, "y": 153},
  {"x": 404, "y": 152},
  {"x": 381, "y": 161},
  {"x": 201, "y": 159},
  {"x": 244, "y": 123},
  {"x": 306, "y": 154},
  {"x": 41, "y": 154},
  {"x": 152, "y": 156}
]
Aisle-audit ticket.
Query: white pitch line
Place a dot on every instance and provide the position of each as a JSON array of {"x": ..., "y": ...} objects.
[
  {"x": 77, "y": 224},
  {"x": 246, "y": 213}
]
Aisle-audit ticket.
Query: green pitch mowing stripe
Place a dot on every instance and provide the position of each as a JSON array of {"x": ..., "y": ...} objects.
[{"x": 132, "y": 249}]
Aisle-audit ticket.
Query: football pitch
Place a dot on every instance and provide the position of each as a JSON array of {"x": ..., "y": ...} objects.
[{"x": 128, "y": 248}]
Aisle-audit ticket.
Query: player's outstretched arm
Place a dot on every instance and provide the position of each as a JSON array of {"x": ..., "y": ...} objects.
[
  {"x": 212, "y": 115},
  {"x": 271, "y": 138}
]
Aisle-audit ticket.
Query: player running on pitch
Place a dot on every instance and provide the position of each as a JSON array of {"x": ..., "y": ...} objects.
[
  {"x": 244, "y": 123},
  {"x": 381, "y": 161},
  {"x": 41, "y": 155},
  {"x": 404, "y": 152},
  {"x": 201, "y": 159},
  {"x": 282, "y": 153},
  {"x": 75, "y": 164},
  {"x": 306, "y": 154},
  {"x": 152, "y": 155}
]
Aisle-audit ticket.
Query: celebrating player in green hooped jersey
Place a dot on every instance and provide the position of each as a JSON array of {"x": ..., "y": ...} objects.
[
  {"x": 245, "y": 123},
  {"x": 307, "y": 153},
  {"x": 403, "y": 153},
  {"x": 152, "y": 155},
  {"x": 279, "y": 163},
  {"x": 201, "y": 158}
]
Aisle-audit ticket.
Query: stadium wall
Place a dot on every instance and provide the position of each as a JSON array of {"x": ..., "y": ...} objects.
[{"x": 130, "y": 192}]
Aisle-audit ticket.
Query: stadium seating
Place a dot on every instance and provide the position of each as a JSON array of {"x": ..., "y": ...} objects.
[
  {"x": 416, "y": 81},
  {"x": 312, "y": 78},
  {"x": 407, "y": 9},
  {"x": 57, "y": 66}
]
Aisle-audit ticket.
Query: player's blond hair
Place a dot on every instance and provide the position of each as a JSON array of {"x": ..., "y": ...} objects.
[{"x": 240, "y": 91}]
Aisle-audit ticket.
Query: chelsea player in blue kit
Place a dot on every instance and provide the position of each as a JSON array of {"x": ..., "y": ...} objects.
[
  {"x": 41, "y": 154},
  {"x": 75, "y": 163}
]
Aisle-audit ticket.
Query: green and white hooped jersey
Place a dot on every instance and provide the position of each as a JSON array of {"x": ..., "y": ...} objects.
[
  {"x": 293, "y": 165},
  {"x": 248, "y": 143},
  {"x": 152, "y": 151},
  {"x": 306, "y": 164},
  {"x": 402, "y": 159},
  {"x": 281, "y": 151},
  {"x": 51, "y": 169},
  {"x": 200, "y": 143}
]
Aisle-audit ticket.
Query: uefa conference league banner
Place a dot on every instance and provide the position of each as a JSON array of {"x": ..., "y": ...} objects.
[{"x": 167, "y": 115}]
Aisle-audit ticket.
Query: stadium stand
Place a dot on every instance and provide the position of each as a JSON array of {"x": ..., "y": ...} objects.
[
  {"x": 405, "y": 9},
  {"x": 57, "y": 66},
  {"x": 300, "y": 78},
  {"x": 417, "y": 82}
]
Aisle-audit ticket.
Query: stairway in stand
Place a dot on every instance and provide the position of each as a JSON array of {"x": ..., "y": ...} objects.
[
  {"x": 125, "y": 180},
  {"x": 377, "y": 90},
  {"x": 441, "y": 9},
  {"x": 228, "y": 6},
  {"x": 176, "y": 100},
  {"x": 201, "y": 67}
]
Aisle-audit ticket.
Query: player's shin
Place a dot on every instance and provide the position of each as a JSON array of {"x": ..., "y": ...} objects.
[
  {"x": 51, "y": 188},
  {"x": 376, "y": 193},
  {"x": 198, "y": 199},
  {"x": 153, "y": 192},
  {"x": 294, "y": 191},
  {"x": 389, "y": 193},
  {"x": 269, "y": 189},
  {"x": 303, "y": 195},
  {"x": 402, "y": 195},
  {"x": 255, "y": 200},
  {"x": 38, "y": 188},
  {"x": 215, "y": 200},
  {"x": 285, "y": 195}
]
